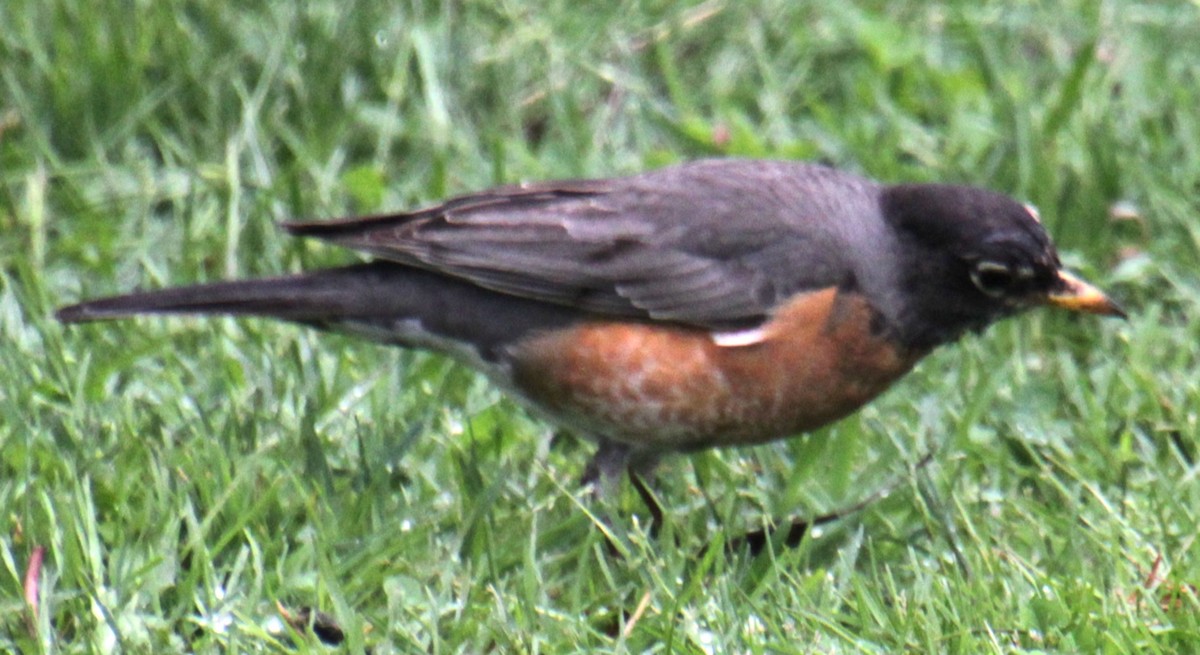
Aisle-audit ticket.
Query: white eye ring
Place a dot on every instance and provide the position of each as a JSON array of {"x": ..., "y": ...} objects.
[{"x": 987, "y": 268}]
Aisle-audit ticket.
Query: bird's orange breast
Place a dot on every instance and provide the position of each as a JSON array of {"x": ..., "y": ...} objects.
[{"x": 818, "y": 360}]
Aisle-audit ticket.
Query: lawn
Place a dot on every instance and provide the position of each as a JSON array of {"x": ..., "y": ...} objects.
[{"x": 183, "y": 480}]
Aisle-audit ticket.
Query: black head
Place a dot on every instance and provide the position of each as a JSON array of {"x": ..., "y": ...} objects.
[{"x": 971, "y": 256}]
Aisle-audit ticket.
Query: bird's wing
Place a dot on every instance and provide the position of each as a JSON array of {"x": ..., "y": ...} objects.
[{"x": 715, "y": 244}]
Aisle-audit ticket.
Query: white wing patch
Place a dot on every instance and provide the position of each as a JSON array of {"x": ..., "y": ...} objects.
[{"x": 739, "y": 338}]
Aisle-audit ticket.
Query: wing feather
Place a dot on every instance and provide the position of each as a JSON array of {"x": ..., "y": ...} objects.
[{"x": 714, "y": 243}]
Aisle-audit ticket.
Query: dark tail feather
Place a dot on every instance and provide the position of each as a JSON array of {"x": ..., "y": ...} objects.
[
  {"x": 335, "y": 293},
  {"x": 381, "y": 300}
]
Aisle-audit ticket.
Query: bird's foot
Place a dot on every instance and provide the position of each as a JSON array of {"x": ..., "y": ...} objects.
[{"x": 603, "y": 474}]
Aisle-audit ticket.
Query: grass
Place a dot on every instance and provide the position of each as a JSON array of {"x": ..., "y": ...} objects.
[{"x": 184, "y": 477}]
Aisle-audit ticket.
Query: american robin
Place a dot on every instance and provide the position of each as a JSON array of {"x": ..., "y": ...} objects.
[{"x": 714, "y": 303}]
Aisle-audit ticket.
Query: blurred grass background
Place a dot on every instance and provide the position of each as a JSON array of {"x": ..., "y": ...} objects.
[{"x": 183, "y": 477}]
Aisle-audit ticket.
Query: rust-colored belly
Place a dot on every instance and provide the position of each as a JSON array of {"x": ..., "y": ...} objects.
[{"x": 667, "y": 387}]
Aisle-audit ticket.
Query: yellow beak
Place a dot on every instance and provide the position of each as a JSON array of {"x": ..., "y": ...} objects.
[{"x": 1079, "y": 296}]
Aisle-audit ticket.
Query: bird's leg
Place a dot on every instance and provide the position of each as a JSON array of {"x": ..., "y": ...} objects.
[
  {"x": 603, "y": 472},
  {"x": 601, "y": 477},
  {"x": 638, "y": 470},
  {"x": 613, "y": 460}
]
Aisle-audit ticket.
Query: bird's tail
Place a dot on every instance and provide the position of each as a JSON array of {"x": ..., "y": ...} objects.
[
  {"x": 380, "y": 300},
  {"x": 334, "y": 293}
]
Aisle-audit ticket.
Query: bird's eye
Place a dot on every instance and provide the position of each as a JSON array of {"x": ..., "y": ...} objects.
[{"x": 992, "y": 278}]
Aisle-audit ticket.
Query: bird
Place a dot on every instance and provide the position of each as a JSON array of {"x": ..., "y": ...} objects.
[{"x": 708, "y": 304}]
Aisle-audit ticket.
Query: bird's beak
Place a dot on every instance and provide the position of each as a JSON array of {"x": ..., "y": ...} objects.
[{"x": 1073, "y": 294}]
